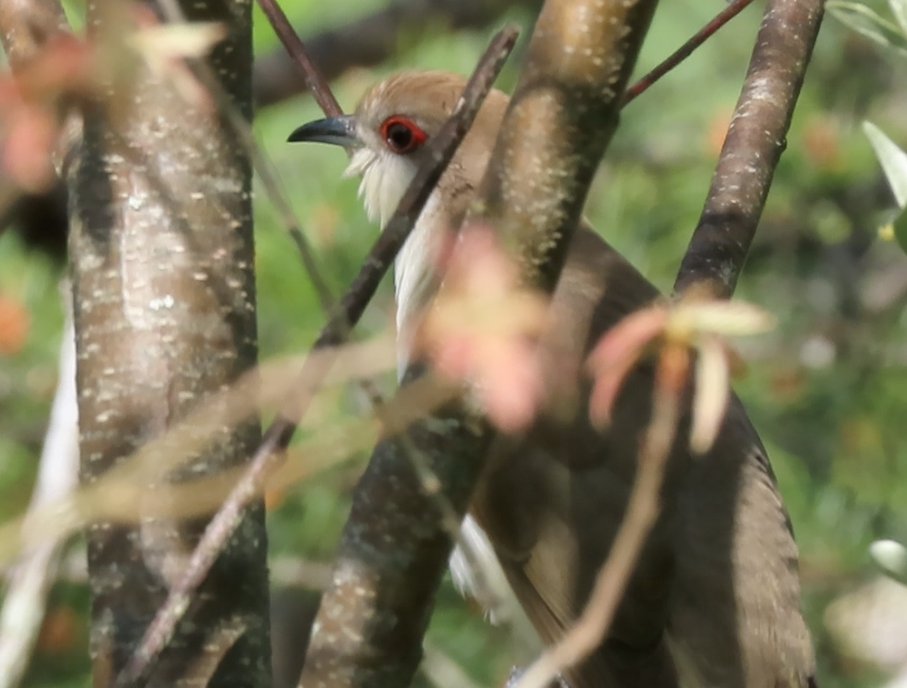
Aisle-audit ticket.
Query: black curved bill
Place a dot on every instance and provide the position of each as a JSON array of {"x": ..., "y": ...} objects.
[{"x": 340, "y": 131}]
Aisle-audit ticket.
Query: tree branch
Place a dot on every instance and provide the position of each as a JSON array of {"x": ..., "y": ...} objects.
[
  {"x": 162, "y": 260},
  {"x": 684, "y": 51},
  {"x": 293, "y": 45},
  {"x": 754, "y": 143},
  {"x": 559, "y": 123}
]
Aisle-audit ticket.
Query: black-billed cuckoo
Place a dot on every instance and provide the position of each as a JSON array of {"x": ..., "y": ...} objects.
[{"x": 714, "y": 601}]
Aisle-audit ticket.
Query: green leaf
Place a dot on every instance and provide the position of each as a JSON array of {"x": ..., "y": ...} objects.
[
  {"x": 900, "y": 230},
  {"x": 892, "y": 159},
  {"x": 868, "y": 23},
  {"x": 899, "y": 10}
]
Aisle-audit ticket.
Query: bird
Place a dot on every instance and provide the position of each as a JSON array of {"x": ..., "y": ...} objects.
[{"x": 714, "y": 599}]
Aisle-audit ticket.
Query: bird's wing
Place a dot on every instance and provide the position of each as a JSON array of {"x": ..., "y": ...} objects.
[
  {"x": 735, "y": 610},
  {"x": 551, "y": 577},
  {"x": 717, "y": 578}
]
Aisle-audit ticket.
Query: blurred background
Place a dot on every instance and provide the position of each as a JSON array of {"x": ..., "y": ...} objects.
[{"x": 827, "y": 389}]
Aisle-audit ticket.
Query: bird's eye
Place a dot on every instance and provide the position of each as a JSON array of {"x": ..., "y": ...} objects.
[{"x": 401, "y": 134}]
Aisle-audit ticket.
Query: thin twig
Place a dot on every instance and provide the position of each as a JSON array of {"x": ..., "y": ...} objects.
[
  {"x": 372, "y": 38},
  {"x": 293, "y": 44},
  {"x": 642, "y": 512},
  {"x": 684, "y": 51},
  {"x": 269, "y": 454},
  {"x": 755, "y": 140}
]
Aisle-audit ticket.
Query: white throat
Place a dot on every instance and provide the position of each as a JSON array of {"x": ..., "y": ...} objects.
[{"x": 385, "y": 177}]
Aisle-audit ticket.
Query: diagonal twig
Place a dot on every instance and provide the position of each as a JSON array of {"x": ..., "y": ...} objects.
[
  {"x": 269, "y": 454},
  {"x": 642, "y": 512},
  {"x": 293, "y": 44},
  {"x": 754, "y": 143},
  {"x": 684, "y": 51}
]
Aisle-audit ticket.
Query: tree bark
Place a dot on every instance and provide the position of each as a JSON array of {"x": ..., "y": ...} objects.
[
  {"x": 162, "y": 257},
  {"x": 756, "y": 138}
]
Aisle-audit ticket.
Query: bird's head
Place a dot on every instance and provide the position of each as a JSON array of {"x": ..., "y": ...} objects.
[{"x": 388, "y": 132}]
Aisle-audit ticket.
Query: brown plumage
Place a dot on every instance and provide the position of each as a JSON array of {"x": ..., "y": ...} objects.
[{"x": 714, "y": 600}]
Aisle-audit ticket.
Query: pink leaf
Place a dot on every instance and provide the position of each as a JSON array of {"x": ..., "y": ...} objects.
[{"x": 615, "y": 355}]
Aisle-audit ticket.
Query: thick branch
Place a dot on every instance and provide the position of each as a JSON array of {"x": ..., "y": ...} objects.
[
  {"x": 392, "y": 557},
  {"x": 164, "y": 309},
  {"x": 754, "y": 143},
  {"x": 559, "y": 123}
]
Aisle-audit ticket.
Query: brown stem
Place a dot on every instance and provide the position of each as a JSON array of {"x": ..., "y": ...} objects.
[
  {"x": 754, "y": 143},
  {"x": 162, "y": 261},
  {"x": 642, "y": 512},
  {"x": 684, "y": 51},
  {"x": 372, "y": 39},
  {"x": 316, "y": 83}
]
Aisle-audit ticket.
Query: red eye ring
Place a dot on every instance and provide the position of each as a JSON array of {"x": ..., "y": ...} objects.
[{"x": 401, "y": 134}]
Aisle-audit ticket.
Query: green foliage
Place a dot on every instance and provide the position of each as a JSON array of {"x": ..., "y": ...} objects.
[{"x": 869, "y": 23}]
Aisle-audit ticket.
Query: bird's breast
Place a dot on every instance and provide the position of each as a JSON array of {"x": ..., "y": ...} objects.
[{"x": 414, "y": 277}]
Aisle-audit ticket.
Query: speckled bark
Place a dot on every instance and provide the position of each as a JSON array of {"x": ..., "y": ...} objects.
[
  {"x": 561, "y": 118},
  {"x": 162, "y": 261},
  {"x": 754, "y": 144},
  {"x": 393, "y": 554}
]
